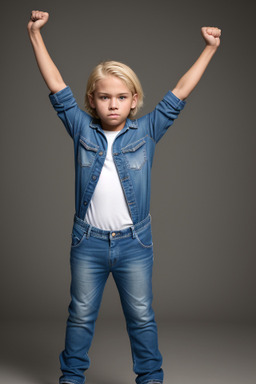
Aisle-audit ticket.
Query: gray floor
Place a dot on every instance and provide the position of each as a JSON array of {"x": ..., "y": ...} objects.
[{"x": 193, "y": 353}]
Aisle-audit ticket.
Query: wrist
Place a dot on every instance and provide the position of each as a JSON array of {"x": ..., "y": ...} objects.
[
  {"x": 210, "y": 50},
  {"x": 211, "y": 47},
  {"x": 35, "y": 36},
  {"x": 34, "y": 32}
]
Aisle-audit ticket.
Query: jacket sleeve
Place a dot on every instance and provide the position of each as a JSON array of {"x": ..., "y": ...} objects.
[
  {"x": 67, "y": 109},
  {"x": 163, "y": 116}
]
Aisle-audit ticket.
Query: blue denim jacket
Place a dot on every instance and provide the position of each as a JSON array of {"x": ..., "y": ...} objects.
[{"x": 133, "y": 150}]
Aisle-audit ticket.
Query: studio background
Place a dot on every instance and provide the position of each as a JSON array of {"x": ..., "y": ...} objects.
[{"x": 203, "y": 189}]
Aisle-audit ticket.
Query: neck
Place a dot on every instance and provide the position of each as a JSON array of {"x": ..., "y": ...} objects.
[{"x": 113, "y": 128}]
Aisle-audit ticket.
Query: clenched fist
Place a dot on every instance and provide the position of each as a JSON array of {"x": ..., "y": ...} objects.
[
  {"x": 211, "y": 36},
  {"x": 37, "y": 20}
]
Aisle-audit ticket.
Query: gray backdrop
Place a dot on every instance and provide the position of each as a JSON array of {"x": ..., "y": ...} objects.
[{"x": 203, "y": 191}]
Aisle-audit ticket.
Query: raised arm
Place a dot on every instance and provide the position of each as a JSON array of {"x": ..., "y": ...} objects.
[
  {"x": 191, "y": 78},
  {"x": 48, "y": 69}
]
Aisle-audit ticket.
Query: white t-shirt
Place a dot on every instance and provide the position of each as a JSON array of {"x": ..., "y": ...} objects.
[{"x": 108, "y": 207}]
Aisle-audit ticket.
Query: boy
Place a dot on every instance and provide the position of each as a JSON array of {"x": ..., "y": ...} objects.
[{"x": 112, "y": 225}]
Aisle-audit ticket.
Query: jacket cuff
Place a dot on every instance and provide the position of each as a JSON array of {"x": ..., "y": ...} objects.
[
  {"x": 63, "y": 99},
  {"x": 174, "y": 101}
]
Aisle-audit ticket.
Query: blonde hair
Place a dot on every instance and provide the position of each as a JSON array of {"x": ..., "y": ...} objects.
[{"x": 123, "y": 72}]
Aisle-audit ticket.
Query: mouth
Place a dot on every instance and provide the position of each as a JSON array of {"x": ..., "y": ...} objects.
[{"x": 113, "y": 115}]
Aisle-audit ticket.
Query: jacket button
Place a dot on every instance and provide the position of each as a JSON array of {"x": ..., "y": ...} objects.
[
  {"x": 94, "y": 177},
  {"x": 100, "y": 153},
  {"x": 113, "y": 234},
  {"x": 85, "y": 202}
]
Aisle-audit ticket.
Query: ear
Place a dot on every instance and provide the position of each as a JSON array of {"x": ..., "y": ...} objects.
[
  {"x": 91, "y": 101},
  {"x": 134, "y": 101}
]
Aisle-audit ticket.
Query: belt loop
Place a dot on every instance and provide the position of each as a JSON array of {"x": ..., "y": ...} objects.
[
  {"x": 88, "y": 231},
  {"x": 133, "y": 232}
]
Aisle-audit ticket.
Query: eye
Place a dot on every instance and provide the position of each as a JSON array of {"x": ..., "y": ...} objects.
[
  {"x": 122, "y": 97},
  {"x": 103, "y": 97}
]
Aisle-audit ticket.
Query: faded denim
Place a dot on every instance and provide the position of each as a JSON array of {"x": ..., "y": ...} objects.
[
  {"x": 133, "y": 150},
  {"x": 127, "y": 254}
]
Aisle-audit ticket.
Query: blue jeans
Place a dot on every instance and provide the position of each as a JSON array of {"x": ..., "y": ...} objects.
[{"x": 128, "y": 254}]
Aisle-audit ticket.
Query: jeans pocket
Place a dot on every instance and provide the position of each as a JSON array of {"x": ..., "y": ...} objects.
[
  {"x": 78, "y": 235},
  {"x": 144, "y": 237}
]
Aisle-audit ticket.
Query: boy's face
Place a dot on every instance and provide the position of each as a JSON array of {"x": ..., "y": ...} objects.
[{"x": 113, "y": 102}]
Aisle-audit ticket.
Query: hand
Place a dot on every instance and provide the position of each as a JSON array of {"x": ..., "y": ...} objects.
[
  {"x": 211, "y": 36},
  {"x": 37, "y": 20}
]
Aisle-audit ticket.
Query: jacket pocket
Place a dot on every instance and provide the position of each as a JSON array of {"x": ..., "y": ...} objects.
[
  {"x": 135, "y": 154},
  {"x": 86, "y": 152}
]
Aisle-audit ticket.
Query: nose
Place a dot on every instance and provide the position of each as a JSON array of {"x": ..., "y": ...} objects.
[{"x": 113, "y": 103}]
